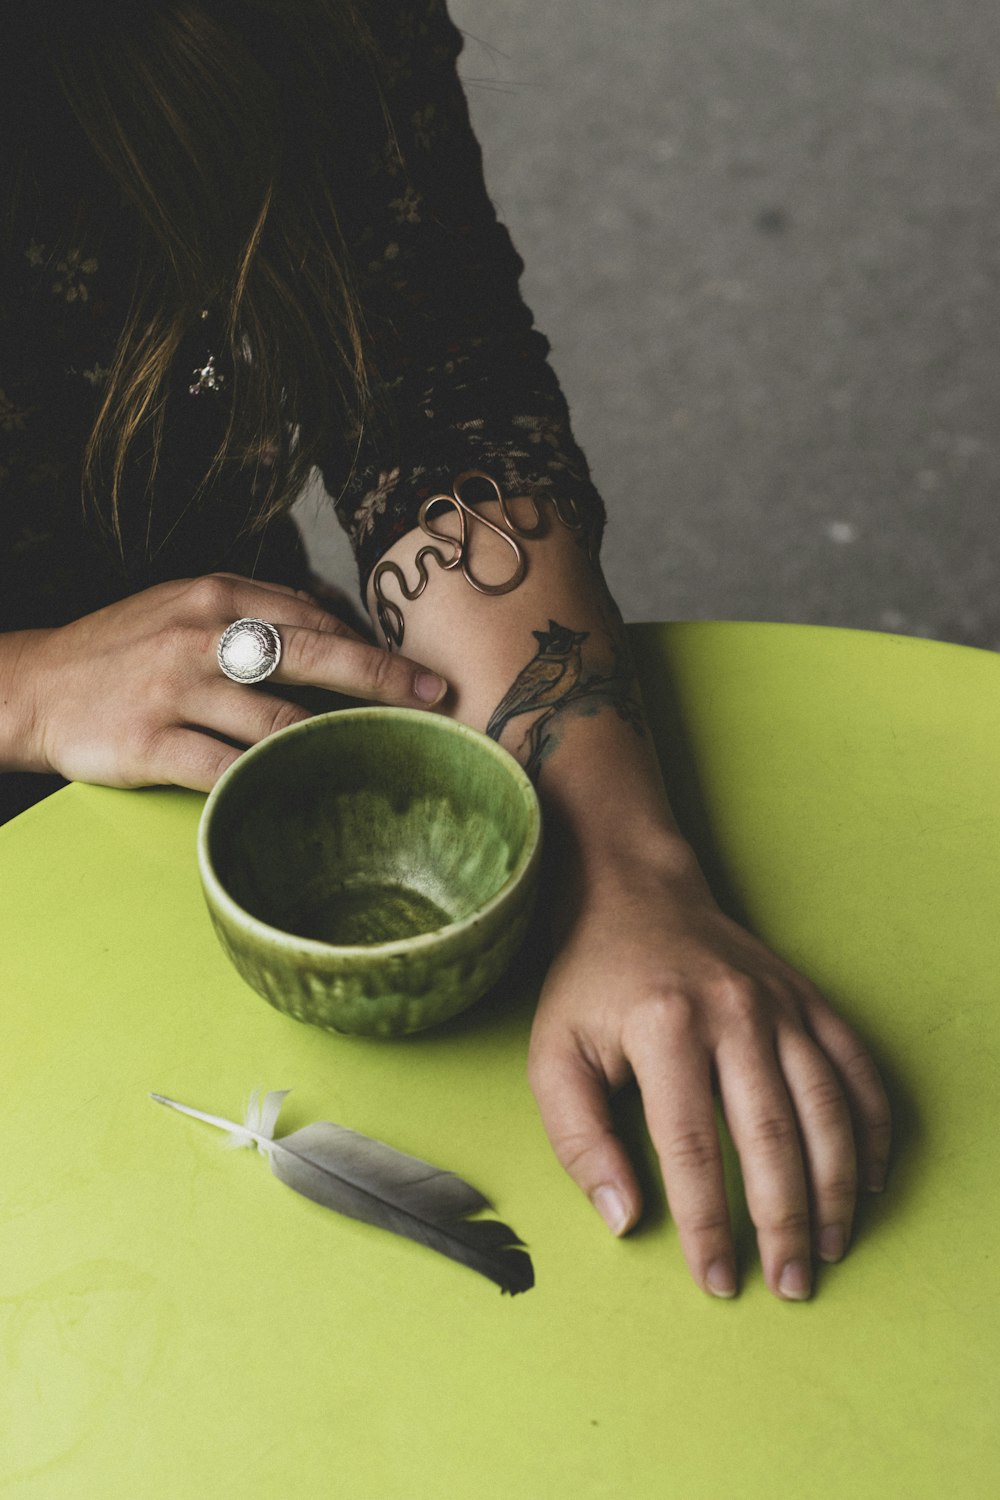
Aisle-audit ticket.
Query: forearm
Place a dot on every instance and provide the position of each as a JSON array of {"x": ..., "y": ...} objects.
[{"x": 555, "y": 642}]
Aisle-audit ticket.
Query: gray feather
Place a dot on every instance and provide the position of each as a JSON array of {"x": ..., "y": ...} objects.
[{"x": 366, "y": 1179}]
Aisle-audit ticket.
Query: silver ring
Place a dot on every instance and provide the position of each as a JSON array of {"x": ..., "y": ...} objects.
[{"x": 249, "y": 650}]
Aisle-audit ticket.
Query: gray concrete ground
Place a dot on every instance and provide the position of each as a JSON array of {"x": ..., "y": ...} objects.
[{"x": 762, "y": 238}]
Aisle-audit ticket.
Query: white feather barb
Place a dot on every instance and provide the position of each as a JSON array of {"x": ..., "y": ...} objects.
[{"x": 366, "y": 1179}]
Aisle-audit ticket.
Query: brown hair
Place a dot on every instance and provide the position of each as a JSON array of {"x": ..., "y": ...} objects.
[{"x": 226, "y": 127}]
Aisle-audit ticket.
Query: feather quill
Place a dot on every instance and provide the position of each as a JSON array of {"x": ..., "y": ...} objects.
[{"x": 366, "y": 1179}]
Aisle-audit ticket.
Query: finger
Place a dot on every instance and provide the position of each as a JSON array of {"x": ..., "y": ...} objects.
[
  {"x": 762, "y": 1124},
  {"x": 827, "y": 1138},
  {"x": 675, "y": 1078},
  {"x": 866, "y": 1095},
  {"x": 271, "y": 588},
  {"x": 240, "y": 713},
  {"x": 220, "y": 599},
  {"x": 573, "y": 1102},
  {"x": 293, "y": 607},
  {"x": 318, "y": 617},
  {"x": 319, "y": 659},
  {"x": 186, "y": 757}
]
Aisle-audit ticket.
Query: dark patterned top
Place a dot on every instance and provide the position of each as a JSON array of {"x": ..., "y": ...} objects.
[{"x": 465, "y": 372}]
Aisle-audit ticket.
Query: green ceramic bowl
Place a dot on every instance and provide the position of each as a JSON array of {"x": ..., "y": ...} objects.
[{"x": 371, "y": 870}]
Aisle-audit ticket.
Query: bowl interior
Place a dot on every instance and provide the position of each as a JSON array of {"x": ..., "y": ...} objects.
[{"x": 370, "y": 826}]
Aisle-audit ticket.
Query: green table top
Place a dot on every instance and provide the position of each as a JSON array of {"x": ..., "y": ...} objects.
[{"x": 175, "y": 1322}]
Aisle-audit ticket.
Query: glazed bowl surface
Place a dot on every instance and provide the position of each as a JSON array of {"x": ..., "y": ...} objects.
[{"x": 371, "y": 870}]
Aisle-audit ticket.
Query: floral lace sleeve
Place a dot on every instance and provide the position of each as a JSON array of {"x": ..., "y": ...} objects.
[{"x": 464, "y": 372}]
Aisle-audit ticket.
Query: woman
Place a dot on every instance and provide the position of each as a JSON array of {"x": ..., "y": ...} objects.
[{"x": 241, "y": 238}]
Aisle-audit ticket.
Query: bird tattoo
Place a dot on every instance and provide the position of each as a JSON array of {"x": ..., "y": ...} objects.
[
  {"x": 552, "y": 673},
  {"x": 553, "y": 687}
]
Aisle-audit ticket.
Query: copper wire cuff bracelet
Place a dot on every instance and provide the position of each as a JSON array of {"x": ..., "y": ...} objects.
[{"x": 390, "y": 615}]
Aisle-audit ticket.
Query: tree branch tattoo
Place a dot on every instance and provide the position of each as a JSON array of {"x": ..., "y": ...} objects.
[{"x": 556, "y": 684}]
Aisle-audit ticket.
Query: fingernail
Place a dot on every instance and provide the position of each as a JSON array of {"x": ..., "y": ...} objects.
[
  {"x": 795, "y": 1281},
  {"x": 721, "y": 1279},
  {"x": 429, "y": 687},
  {"x": 611, "y": 1206},
  {"x": 875, "y": 1181},
  {"x": 832, "y": 1242}
]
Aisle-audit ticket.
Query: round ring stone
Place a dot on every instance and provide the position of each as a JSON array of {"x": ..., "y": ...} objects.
[{"x": 249, "y": 650}]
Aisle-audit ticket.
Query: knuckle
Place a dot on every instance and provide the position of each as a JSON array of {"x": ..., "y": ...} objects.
[
  {"x": 880, "y": 1128},
  {"x": 661, "y": 1014},
  {"x": 861, "y": 1075},
  {"x": 740, "y": 998},
  {"x": 825, "y": 1101},
  {"x": 312, "y": 655},
  {"x": 575, "y": 1151},
  {"x": 859, "y": 1069},
  {"x": 791, "y": 1223},
  {"x": 381, "y": 669},
  {"x": 710, "y": 1223},
  {"x": 335, "y": 626},
  {"x": 212, "y": 595},
  {"x": 282, "y": 715},
  {"x": 842, "y": 1187},
  {"x": 774, "y": 1135},
  {"x": 694, "y": 1150}
]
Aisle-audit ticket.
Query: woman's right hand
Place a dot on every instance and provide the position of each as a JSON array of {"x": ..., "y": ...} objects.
[{"x": 133, "y": 695}]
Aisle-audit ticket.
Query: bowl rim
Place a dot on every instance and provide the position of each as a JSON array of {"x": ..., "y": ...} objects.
[{"x": 217, "y": 894}]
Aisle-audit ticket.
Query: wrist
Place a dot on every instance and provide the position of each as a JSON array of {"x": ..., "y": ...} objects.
[
  {"x": 600, "y": 862},
  {"x": 20, "y": 717}
]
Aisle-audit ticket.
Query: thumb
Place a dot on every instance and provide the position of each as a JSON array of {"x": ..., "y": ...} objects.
[{"x": 572, "y": 1099}]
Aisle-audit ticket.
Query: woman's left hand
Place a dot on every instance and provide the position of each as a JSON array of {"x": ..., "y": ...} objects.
[{"x": 652, "y": 980}]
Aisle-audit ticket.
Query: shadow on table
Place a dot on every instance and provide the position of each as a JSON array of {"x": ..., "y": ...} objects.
[{"x": 680, "y": 773}]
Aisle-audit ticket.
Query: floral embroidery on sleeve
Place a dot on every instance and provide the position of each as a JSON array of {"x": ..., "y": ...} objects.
[
  {"x": 373, "y": 504},
  {"x": 70, "y": 273},
  {"x": 11, "y": 415}
]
